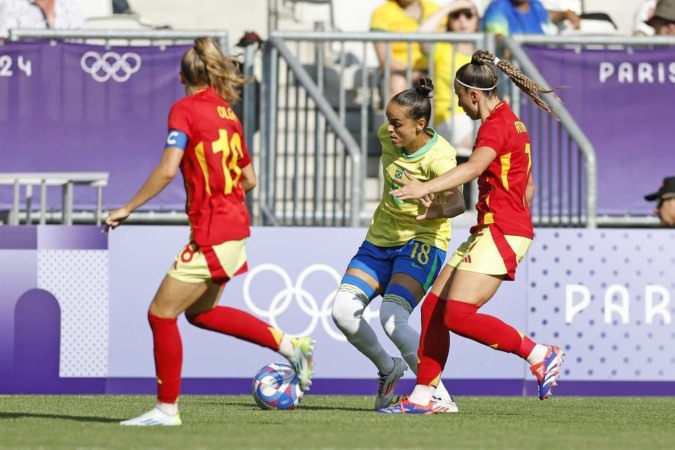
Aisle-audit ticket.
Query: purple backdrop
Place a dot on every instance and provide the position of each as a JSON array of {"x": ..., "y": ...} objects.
[
  {"x": 56, "y": 116},
  {"x": 73, "y": 306},
  {"x": 625, "y": 103}
]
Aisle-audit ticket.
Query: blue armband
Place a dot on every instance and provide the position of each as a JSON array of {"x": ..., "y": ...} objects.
[{"x": 176, "y": 139}]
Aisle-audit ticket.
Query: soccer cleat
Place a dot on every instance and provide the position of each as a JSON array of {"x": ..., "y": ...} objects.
[
  {"x": 548, "y": 371},
  {"x": 406, "y": 407},
  {"x": 154, "y": 417},
  {"x": 444, "y": 405},
  {"x": 302, "y": 361},
  {"x": 385, "y": 391}
]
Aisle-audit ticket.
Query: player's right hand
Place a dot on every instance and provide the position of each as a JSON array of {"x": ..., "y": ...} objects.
[{"x": 116, "y": 217}]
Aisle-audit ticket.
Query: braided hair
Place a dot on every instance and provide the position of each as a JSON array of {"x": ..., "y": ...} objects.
[{"x": 480, "y": 74}]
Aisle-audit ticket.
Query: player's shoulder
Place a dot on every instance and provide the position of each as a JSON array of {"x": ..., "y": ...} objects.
[{"x": 183, "y": 103}]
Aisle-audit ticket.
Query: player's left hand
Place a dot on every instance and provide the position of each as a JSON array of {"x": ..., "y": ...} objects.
[
  {"x": 412, "y": 188},
  {"x": 115, "y": 218},
  {"x": 433, "y": 208}
]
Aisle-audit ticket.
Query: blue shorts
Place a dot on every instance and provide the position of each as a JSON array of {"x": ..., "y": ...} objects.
[{"x": 421, "y": 261}]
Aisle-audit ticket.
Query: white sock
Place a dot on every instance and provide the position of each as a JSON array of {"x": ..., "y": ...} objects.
[
  {"x": 422, "y": 394},
  {"x": 348, "y": 317},
  {"x": 537, "y": 354},
  {"x": 170, "y": 409},
  {"x": 286, "y": 347},
  {"x": 394, "y": 318}
]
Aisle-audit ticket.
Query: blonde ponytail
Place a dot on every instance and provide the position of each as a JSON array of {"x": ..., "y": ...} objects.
[{"x": 205, "y": 64}]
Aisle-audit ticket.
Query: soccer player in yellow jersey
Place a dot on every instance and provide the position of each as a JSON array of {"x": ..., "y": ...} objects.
[{"x": 405, "y": 246}]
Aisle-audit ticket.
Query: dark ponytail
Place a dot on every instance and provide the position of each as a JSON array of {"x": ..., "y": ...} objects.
[{"x": 416, "y": 100}]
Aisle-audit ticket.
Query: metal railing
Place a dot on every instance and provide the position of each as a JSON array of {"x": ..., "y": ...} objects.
[
  {"x": 66, "y": 180},
  {"x": 311, "y": 173},
  {"x": 356, "y": 89}
]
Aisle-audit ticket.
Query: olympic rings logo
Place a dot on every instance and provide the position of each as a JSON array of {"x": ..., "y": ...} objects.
[
  {"x": 296, "y": 293},
  {"x": 110, "y": 65}
]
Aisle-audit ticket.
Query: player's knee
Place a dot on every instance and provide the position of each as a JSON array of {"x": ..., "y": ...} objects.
[
  {"x": 457, "y": 314},
  {"x": 347, "y": 309},
  {"x": 393, "y": 316},
  {"x": 194, "y": 319}
]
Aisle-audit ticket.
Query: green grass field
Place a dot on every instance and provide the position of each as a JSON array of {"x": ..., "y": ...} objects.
[{"x": 339, "y": 422}]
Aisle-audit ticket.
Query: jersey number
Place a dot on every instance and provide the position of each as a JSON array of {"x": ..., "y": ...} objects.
[{"x": 231, "y": 153}]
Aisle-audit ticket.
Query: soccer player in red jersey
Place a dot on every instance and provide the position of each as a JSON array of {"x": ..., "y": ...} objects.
[
  {"x": 205, "y": 140},
  {"x": 501, "y": 160}
]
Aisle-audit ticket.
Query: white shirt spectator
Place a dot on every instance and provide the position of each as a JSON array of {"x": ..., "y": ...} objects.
[
  {"x": 644, "y": 13},
  {"x": 27, "y": 14}
]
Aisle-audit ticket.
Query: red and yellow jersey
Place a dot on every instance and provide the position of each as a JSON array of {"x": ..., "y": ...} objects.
[
  {"x": 214, "y": 157},
  {"x": 501, "y": 188}
]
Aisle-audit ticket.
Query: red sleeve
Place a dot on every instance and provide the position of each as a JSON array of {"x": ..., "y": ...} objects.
[
  {"x": 490, "y": 134},
  {"x": 245, "y": 157},
  {"x": 179, "y": 118}
]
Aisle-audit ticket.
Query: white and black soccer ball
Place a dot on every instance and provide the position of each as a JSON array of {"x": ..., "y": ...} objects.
[{"x": 275, "y": 386}]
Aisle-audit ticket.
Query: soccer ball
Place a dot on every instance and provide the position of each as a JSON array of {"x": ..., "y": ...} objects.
[{"x": 275, "y": 386}]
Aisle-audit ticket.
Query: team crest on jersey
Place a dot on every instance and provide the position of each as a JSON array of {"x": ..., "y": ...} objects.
[{"x": 398, "y": 173}]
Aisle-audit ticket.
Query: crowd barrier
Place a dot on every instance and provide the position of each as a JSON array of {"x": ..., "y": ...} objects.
[
  {"x": 103, "y": 108},
  {"x": 73, "y": 312}
]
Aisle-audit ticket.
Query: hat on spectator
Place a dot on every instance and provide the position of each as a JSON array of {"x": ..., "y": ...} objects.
[
  {"x": 458, "y": 5},
  {"x": 667, "y": 187},
  {"x": 665, "y": 10}
]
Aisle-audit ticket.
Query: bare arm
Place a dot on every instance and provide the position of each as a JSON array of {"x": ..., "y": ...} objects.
[
  {"x": 435, "y": 209},
  {"x": 248, "y": 178},
  {"x": 477, "y": 164},
  {"x": 380, "y": 51},
  {"x": 455, "y": 203},
  {"x": 432, "y": 23},
  {"x": 158, "y": 179}
]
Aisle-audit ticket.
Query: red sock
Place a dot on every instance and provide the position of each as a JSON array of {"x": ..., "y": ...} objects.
[
  {"x": 434, "y": 342},
  {"x": 240, "y": 324},
  {"x": 168, "y": 357},
  {"x": 464, "y": 320}
]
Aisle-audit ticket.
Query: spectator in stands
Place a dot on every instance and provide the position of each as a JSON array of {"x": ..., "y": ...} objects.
[
  {"x": 665, "y": 206},
  {"x": 505, "y": 17},
  {"x": 642, "y": 15},
  {"x": 663, "y": 20},
  {"x": 461, "y": 16},
  {"x": 401, "y": 16},
  {"x": 40, "y": 14},
  {"x": 564, "y": 14}
]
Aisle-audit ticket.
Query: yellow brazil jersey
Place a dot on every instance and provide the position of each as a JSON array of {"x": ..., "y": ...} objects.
[
  {"x": 447, "y": 61},
  {"x": 394, "y": 222},
  {"x": 391, "y": 17}
]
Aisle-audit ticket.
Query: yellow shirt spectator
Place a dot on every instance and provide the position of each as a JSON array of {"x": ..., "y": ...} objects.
[
  {"x": 446, "y": 62},
  {"x": 392, "y": 18}
]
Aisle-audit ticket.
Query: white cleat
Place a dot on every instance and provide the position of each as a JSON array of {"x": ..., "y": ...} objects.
[
  {"x": 153, "y": 418},
  {"x": 303, "y": 361},
  {"x": 385, "y": 391},
  {"x": 444, "y": 405}
]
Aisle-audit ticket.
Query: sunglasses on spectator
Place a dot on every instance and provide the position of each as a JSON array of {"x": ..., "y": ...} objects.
[
  {"x": 662, "y": 201},
  {"x": 462, "y": 12}
]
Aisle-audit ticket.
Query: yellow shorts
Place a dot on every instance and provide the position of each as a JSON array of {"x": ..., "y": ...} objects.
[
  {"x": 490, "y": 252},
  {"x": 218, "y": 263}
]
